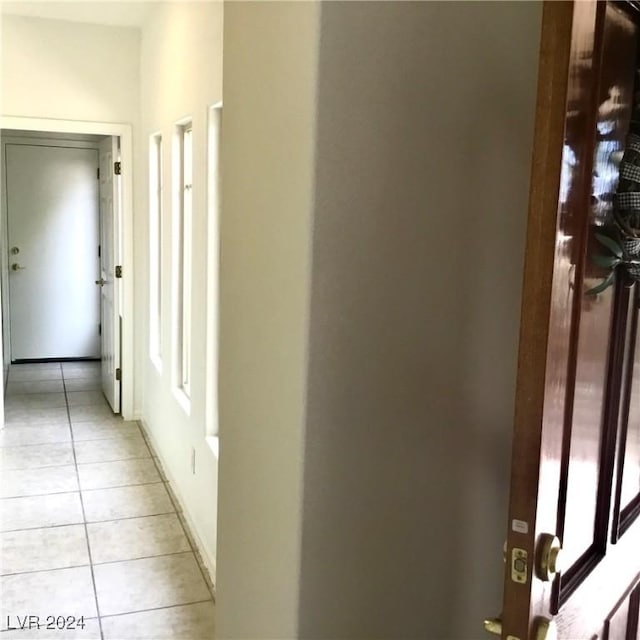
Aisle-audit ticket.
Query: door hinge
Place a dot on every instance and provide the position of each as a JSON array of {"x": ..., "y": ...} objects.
[
  {"x": 100, "y": 329},
  {"x": 118, "y": 373},
  {"x": 98, "y": 173},
  {"x": 99, "y": 251},
  {"x": 119, "y": 271},
  {"x": 117, "y": 168}
]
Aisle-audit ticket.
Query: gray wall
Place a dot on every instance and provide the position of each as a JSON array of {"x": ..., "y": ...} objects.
[{"x": 424, "y": 137}]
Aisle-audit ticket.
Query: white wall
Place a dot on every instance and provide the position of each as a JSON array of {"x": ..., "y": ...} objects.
[
  {"x": 181, "y": 72},
  {"x": 270, "y": 60},
  {"x": 72, "y": 71},
  {"x": 419, "y": 191}
]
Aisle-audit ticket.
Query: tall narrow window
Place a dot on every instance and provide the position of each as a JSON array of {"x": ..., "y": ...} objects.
[
  {"x": 213, "y": 241},
  {"x": 187, "y": 200},
  {"x": 155, "y": 249},
  {"x": 183, "y": 173}
]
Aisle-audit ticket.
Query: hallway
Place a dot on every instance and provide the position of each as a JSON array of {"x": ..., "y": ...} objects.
[{"x": 89, "y": 528}]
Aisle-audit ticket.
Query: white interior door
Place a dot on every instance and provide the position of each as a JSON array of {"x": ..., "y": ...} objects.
[
  {"x": 52, "y": 213},
  {"x": 109, "y": 283}
]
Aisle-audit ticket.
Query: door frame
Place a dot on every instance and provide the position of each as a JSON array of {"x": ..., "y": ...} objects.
[
  {"x": 50, "y": 143},
  {"x": 125, "y": 133}
]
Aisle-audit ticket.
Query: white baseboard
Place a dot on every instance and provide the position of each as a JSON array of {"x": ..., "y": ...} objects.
[
  {"x": 136, "y": 416},
  {"x": 207, "y": 560}
]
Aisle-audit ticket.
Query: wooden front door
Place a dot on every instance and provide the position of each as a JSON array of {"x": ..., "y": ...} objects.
[{"x": 575, "y": 478}]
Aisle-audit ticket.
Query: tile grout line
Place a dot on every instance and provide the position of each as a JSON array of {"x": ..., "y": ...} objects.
[
  {"x": 42, "y": 444},
  {"x": 120, "y": 486},
  {"x": 70, "y": 464},
  {"x": 38, "y": 495},
  {"x": 48, "y": 466},
  {"x": 57, "y": 493},
  {"x": 26, "y": 573},
  {"x": 92, "y": 563},
  {"x": 171, "y": 606},
  {"x": 109, "y": 420},
  {"x": 61, "y": 424},
  {"x": 74, "y": 524},
  {"x": 84, "y": 517},
  {"x": 183, "y": 523},
  {"x": 160, "y": 555},
  {"x": 27, "y": 407}
]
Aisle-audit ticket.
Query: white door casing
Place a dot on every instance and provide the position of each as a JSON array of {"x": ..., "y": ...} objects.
[
  {"x": 109, "y": 283},
  {"x": 52, "y": 209}
]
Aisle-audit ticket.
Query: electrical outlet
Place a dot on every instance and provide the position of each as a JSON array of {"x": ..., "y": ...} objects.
[{"x": 193, "y": 460}]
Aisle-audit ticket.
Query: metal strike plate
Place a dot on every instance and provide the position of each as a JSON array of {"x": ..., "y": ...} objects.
[{"x": 519, "y": 563}]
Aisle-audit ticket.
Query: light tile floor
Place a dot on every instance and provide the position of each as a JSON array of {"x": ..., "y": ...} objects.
[{"x": 88, "y": 527}]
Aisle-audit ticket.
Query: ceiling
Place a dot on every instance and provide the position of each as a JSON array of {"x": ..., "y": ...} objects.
[{"x": 124, "y": 14}]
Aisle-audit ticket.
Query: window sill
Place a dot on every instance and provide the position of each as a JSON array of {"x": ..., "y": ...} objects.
[
  {"x": 214, "y": 445},
  {"x": 157, "y": 363},
  {"x": 183, "y": 400}
]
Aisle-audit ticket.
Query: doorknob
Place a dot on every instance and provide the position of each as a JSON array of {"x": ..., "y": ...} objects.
[
  {"x": 548, "y": 561},
  {"x": 101, "y": 282},
  {"x": 16, "y": 267}
]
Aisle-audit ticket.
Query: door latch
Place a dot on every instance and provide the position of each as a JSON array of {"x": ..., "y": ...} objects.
[{"x": 519, "y": 565}]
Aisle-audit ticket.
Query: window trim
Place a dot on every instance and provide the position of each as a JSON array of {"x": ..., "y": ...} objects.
[
  {"x": 182, "y": 264},
  {"x": 214, "y": 126},
  {"x": 156, "y": 237}
]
